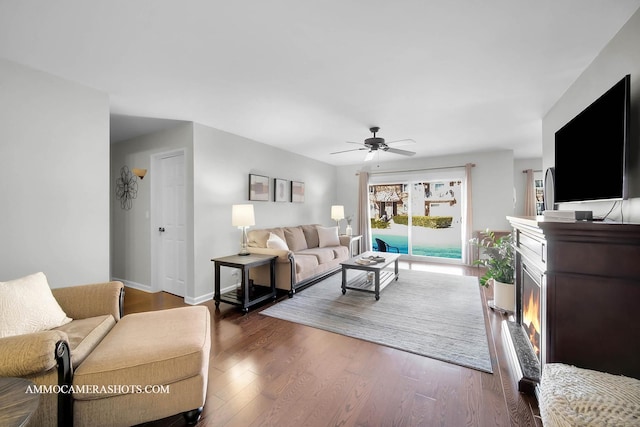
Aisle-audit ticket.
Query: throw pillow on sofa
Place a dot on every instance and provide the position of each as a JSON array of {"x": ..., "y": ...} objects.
[
  {"x": 275, "y": 242},
  {"x": 328, "y": 236},
  {"x": 295, "y": 238},
  {"x": 27, "y": 306}
]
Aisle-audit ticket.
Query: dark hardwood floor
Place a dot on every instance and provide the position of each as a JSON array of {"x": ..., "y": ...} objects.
[{"x": 270, "y": 372}]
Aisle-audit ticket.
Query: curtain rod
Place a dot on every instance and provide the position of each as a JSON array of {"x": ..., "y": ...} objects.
[
  {"x": 473, "y": 165},
  {"x": 536, "y": 170}
]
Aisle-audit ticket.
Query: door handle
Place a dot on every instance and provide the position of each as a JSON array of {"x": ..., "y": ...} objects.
[{"x": 161, "y": 229}]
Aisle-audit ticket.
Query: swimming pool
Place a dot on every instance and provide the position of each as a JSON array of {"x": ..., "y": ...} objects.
[{"x": 402, "y": 243}]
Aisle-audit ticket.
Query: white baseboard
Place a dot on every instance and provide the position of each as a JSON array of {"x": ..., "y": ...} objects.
[
  {"x": 134, "y": 285},
  {"x": 188, "y": 300},
  {"x": 199, "y": 300}
]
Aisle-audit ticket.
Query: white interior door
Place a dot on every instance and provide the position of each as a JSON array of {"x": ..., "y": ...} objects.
[{"x": 172, "y": 225}]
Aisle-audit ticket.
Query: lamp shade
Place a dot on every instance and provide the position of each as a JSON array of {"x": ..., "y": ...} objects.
[
  {"x": 242, "y": 216},
  {"x": 140, "y": 173},
  {"x": 337, "y": 212}
]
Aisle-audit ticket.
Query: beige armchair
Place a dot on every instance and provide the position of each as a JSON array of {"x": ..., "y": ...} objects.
[
  {"x": 48, "y": 358},
  {"x": 99, "y": 368}
]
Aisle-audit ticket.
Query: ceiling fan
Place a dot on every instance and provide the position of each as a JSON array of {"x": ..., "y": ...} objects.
[{"x": 373, "y": 144}]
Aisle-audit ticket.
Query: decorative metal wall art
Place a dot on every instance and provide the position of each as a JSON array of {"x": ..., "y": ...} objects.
[{"x": 126, "y": 188}]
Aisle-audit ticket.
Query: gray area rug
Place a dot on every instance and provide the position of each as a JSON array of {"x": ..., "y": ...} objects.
[{"x": 430, "y": 314}]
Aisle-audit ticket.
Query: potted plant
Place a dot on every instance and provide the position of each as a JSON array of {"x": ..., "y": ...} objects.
[{"x": 499, "y": 261}]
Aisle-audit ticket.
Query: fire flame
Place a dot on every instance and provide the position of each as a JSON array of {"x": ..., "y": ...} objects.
[{"x": 531, "y": 319}]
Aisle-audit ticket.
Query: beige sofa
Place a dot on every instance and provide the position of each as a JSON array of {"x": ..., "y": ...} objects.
[
  {"x": 309, "y": 255},
  {"x": 98, "y": 349}
]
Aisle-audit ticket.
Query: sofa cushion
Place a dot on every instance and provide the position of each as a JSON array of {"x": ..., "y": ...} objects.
[
  {"x": 341, "y": 252},
  {"x": 275, "y": 242},
  {"x": 311, "y": 235},
  {"x": 328, "y": 236},
  {"x": 27, "y": 306},
  {"x": 295, "y": 238},
  {"x": 85, "y": 334},
  {"x": 305, "y": 263},
  {"x": 323, "y": 255}
]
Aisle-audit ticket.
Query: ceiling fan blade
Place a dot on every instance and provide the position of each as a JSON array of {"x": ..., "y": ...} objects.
[
  {"x": 402, "y": 152},
  {"x": 346, "y": 151},
  {"x": 402, "y": 142},
  {"x": 370, "y": 155},
  {"x": 352, "y": 142}
]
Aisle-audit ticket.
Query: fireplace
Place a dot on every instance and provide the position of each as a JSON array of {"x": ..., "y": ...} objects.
[
  {"x": 529, "y": 312},
  {"x": 587, "y": 276},
  {"x": 523, "y": 333}
]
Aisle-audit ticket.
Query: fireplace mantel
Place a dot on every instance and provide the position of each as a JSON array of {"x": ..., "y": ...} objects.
[{"x": 590, "y": 279}]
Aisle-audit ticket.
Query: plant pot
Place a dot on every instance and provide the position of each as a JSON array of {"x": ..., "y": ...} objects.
[{"x": 504, "y": 296}]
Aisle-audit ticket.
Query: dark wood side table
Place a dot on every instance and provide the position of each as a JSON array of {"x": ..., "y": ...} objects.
[
  {"x": 250, "y": 293},
  {"x": 16, "y": 405}
]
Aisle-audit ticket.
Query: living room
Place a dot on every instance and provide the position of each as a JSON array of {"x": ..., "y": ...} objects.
[{"x": 59, "y": 167}]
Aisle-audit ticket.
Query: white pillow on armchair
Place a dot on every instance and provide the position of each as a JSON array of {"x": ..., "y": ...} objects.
[{"x": 27, "y": 306}]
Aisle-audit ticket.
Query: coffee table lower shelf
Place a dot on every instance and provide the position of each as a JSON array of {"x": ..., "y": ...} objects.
[{"x": 361, "y": 283}]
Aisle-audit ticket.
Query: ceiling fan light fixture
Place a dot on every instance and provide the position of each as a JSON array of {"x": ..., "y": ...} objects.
[
  {"x": 375, "y": 141},
  {"x": 375, "y": 144}
]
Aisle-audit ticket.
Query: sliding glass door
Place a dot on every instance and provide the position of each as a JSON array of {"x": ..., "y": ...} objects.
[
  {"x": 388, "y": 203},
  {"x": 418, "y": 217}
]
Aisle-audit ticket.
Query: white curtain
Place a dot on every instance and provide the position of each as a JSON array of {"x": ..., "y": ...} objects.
[
  {"x": 363, "y": 211},
  {"x": 468, "y": 216},
  {"x": 529, "y": 195}
]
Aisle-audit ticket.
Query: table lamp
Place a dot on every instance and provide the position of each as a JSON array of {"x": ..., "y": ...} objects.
[
  {"x": 242, "y": 217},
  {"x": 337, "y": 213}
]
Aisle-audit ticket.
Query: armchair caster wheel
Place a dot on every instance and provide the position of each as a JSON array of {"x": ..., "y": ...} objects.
[{"x": 193, "y": 416}]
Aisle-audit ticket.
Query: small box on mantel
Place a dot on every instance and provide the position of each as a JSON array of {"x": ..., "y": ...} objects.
[{"x": 568, "y": 216}]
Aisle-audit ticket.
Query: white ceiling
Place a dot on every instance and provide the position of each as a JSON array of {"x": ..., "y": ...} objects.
[{"x": 306, "y": 76}]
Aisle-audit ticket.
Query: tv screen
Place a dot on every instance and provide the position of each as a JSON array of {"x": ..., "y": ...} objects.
[{"x": 591, "y": 150}]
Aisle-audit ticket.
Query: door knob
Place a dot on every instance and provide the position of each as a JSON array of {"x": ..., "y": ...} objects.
[{"x": 161, "y": 229}]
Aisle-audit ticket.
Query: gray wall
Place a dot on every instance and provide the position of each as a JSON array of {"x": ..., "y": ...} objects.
[
  {"x": 219, "y": 165},
  {"x": 54, "y": 172},
  {"x": 222, "y": 164},
  {"x": 620, "y": 56}
]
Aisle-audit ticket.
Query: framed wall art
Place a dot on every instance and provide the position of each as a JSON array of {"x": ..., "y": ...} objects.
[
  {"x": 258, "y": 187},
  {"x": 280, "y": 190},
  {"x": 297, "y": 191}
]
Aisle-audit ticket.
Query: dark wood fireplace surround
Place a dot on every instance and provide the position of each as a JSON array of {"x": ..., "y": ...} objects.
[{"x": 589, "y": 275}]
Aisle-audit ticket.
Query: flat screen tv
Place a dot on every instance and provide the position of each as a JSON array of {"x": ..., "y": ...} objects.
[{"x": 591, "y": 150}]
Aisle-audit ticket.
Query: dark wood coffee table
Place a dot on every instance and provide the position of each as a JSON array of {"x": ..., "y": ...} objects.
[{"x": 376, "y": 276}]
